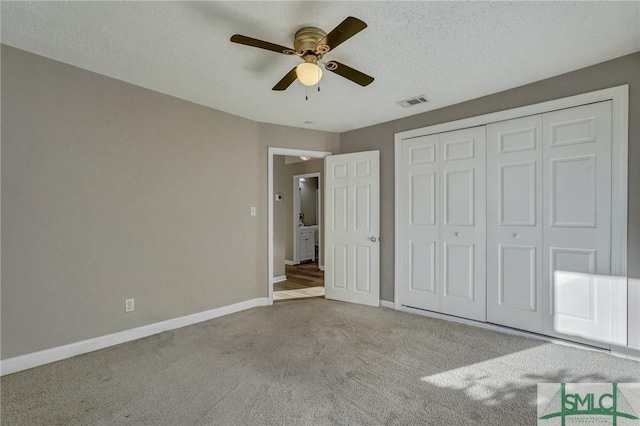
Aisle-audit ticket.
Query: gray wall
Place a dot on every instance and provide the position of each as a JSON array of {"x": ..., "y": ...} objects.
[
  {"x": 283, "y": 210},
  {"x": 624, "y": 70},
  {"x": 111, "y": 191}
]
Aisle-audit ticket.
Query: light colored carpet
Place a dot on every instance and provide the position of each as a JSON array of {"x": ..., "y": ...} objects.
[{"x": 313, "y": 362}]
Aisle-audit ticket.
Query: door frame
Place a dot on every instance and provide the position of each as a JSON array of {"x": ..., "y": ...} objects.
[
  {"x": 296, "y": 201},
  {"x": 619, "y": 96},
  {"x": 271, "y": 151}
]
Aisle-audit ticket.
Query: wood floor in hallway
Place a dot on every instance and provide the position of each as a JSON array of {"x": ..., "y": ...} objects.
[{"x": 303, "y": 281}]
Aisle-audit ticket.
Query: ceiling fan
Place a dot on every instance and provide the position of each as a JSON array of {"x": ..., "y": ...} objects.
[{"x": 311, "y": 44}]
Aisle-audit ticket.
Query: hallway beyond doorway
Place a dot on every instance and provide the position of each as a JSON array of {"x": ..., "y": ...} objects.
[{"x": 303, "y": 281}]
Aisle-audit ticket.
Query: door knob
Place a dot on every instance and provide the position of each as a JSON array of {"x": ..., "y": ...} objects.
[
  {"x": 457, "y": 234},
  {"x": 373, "y": 239},
  {"x": 515, "y": 235}
]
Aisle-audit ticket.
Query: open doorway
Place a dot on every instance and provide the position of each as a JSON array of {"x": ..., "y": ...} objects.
[
  {"x": 295, "y": 224},
  {"x": 304, "y": 271}
]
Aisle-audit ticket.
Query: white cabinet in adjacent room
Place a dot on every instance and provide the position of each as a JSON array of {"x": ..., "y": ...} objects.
[{"x": 306, "y": 243}]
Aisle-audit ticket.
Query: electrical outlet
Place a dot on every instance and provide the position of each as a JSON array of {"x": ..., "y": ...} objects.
[
  {"x": 253, "y": 211},
  {"x": 129, "y": 305}
]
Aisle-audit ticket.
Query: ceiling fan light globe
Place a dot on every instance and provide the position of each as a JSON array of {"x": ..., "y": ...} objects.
[{"x": 308, "y": 73}]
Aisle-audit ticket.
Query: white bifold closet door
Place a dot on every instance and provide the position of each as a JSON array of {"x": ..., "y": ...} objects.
[
  {"x": 420, "y": 218},
  {"x": 549, "y": 226},
  {"x": 463, "y": 230},
  {"x": 514, "y": 223},
  {"x": 581, "y": 298},
  {"x": 443, "y": 223},
  {"x": 519, "y": 233}
]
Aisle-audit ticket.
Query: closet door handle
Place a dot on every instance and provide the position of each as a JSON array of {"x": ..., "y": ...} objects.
[
  {"x": 374, "y": 239},
  {"x": 457, "y": 234}
]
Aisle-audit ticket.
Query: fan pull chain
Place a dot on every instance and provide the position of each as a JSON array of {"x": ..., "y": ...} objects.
[{"x": 306, "y": 93}]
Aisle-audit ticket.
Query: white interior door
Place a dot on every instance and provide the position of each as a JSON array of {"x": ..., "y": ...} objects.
[
  {"x": 582, "y": 299},
  {"x": 463, "y": 229},
  {"x": 514, "y": 223},
  {"x": 420, "y": 223},
  {"x": 352, "y": 208}
]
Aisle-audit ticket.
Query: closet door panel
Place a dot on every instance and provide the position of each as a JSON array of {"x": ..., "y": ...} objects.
[
  {"x": 579, "y": 290},
  {"x": 420, "y": 224},
  {"x": 459, "y": 265},
  {"x": 514, "y": 223},
  {"x": 462, "y": 232}
]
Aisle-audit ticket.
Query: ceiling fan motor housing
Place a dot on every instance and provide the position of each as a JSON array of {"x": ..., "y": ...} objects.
[{"x": 306, "y": 39}]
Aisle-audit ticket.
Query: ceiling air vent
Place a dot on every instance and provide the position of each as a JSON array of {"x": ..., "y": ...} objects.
[{"x": 413, "y": 101}]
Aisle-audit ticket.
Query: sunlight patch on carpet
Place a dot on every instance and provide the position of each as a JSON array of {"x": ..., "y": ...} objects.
[{"x": 503, "y": 378}]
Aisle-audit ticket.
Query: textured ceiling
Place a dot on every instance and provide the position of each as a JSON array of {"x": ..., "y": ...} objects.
[{"x": 448, "y": 51}]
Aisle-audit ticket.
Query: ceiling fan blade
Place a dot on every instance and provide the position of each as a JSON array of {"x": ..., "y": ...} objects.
[
  {"x": 254, "y": 42},
  {"x": 349, "y": 73},
  {"x": 343, "y": 32},
  {"x": 286, "y": 80}
]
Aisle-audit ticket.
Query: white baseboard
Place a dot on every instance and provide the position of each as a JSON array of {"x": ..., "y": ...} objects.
[
  {"x": 279, "y": 279},
  {"x": 289, "y": 262},
  {"x": 321, "y": 267},
  {"x": 626, "y": 352},
  {"x": 387, "y": 304},
  {"x": 620, "y": 351},
  {"x": 35, "y": 359}
]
